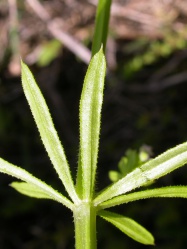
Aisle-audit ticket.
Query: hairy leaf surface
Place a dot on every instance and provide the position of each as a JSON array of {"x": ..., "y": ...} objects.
[
  {"x": 153, "y": 169},
  {"x": 90, "y": 119},
  {"x": 15, "y": 171},
  {"x": 128, "y": 226},
  {"x": 47, "y": 130}
]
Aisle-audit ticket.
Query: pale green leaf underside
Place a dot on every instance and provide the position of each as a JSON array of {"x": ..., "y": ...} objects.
[
  {"x": 129, "y": 227},
  {"x": 171, "y": 191},
  {"x": 47, "y": 131},
  {"x": 90, "y": 119},
  {"x": 153, "y": 169},
  {"x": 10, "y": 169},
  {"x": 30, "y": 190}
]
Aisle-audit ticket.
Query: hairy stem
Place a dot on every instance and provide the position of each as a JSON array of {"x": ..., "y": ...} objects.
[{"x": 85, "y": 226}]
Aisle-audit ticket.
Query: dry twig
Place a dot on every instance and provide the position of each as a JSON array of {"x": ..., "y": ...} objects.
[{"x": 54, "y": 28}]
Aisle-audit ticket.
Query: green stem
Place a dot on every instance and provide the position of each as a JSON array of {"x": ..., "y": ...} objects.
[
  {"x": 101, "y": 25},
  {"x": 85, "y": 226}
]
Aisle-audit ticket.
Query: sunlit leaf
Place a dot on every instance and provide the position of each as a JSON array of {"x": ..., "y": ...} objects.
[
  {"x": 90, "y": 119},
  {"x": 129, "y": 227},
  {"x": 10, "y": 169},
  {"x": 153, "y": 169},
  {"x": 47, "y": 130},
  {"x": 171, "y": 191},
  {"x": 30, "y": 190}
]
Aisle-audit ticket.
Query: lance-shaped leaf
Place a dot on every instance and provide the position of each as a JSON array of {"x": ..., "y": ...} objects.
[
  {"x": 170, "y": 192},
  {"x": 128, "y": 226},
  {"x": 15, "y": 171},
  {"x": 47, "y": 131},
  {"x": 90, "y": 118},
  {"x": 153, "y": 169},
  {"x": 30, "y": 190}
]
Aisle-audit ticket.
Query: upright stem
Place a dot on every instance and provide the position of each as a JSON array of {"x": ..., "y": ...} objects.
[
  {"x": 85, "y": 226},
  {"x": 101, "y": 25}
]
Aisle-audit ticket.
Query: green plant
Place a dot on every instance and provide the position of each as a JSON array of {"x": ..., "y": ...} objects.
[
  {"x": 147, "y": 53},
  {"x": 84, "y": 201},
  {"x": 101, "y": 25},
  {"x": 48, "y": 52},
  {"x": 130, "y": 161}
]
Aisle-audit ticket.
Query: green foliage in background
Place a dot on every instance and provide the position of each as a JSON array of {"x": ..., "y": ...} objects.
[
  {"x": 130, "y": 161},
  {"x": 149, "y": 52},
  {"x": 48, "y": 52}
]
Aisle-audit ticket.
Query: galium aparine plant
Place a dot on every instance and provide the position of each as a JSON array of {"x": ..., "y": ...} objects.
[{"x": 84, "y": 202}]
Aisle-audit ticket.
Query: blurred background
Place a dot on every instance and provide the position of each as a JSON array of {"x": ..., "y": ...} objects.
[{"x": 145, "y": 103}]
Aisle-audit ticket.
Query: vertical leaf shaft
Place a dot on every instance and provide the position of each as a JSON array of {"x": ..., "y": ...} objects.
[{"x": 90, "y": 118}]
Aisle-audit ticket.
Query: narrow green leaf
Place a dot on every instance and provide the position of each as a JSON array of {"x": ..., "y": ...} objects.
[
  {"x": 90, "y": 118},
  {"x": 47, "y": 131},
  {"x": 129, "y": 227},
  {"x": 153, "y": 169},
  {"x": 48, "y": 52},
  {"x": 30, "y": 190},
  {"x": 170, "y": 192},
  {"x": 101, "y": 25},
  {"x": 15, "y": 171}
]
